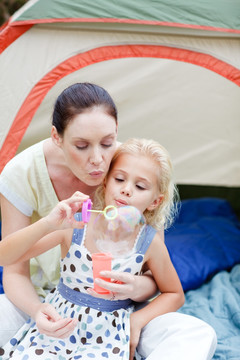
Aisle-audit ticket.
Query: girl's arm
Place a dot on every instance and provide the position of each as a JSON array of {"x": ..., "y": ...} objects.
[
  {"x": 13, "y": 246},
  {"x": 171, "y": 296}
]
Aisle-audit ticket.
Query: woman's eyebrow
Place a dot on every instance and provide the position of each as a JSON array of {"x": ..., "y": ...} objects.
[
  {"x": 86, "y": 139},
  {"x": 109, "y": 135}
]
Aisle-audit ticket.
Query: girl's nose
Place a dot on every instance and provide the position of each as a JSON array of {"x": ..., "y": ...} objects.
[{"x": 126, "y": 190}]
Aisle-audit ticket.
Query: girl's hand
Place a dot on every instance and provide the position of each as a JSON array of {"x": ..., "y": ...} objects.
[
  {"x": 62, "y": 216},
  {"x": 50, "y": 323},
  {"x": 135, "y": 331},
  {"x": 123, "y": 286}
]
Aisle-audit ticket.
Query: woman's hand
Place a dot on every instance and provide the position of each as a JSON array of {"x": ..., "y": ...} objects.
[
  {"x": 62, "y": 216},
  {"x": 125, "y": 286},
  {"x": 50, "y": 323}
]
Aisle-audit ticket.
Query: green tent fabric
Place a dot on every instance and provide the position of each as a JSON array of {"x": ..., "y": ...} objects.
[{"x": 218, "y": 14}]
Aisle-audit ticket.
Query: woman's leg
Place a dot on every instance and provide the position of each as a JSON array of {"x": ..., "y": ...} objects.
[
  {"x": 11, "y": 319},
  {"x": 177, "y": 336}
]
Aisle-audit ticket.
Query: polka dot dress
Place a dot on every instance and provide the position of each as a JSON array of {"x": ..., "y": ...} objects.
[{"x": 103, "y": 328}]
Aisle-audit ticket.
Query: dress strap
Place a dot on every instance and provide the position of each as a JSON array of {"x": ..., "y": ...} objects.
[
  {"x": 145, "y": 239},
  {"x": 78, "y": 233},
  {"x": 83, "y": 299}
]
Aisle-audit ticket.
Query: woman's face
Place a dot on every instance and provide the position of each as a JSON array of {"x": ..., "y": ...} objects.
[{"x": 88, "y": 144}]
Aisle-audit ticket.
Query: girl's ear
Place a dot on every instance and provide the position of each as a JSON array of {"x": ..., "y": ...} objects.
[
  {"x": 155, "y": 203},
  {"x": 55, "y": 137}
]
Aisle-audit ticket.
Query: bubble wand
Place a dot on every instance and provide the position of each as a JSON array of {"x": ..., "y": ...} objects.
[{"x": 87, "y": 209}]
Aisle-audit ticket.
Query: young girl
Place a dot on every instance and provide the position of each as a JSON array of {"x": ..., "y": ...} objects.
[{"x": 141, "y": 176}]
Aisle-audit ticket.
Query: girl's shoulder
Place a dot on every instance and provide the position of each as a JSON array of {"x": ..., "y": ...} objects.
[
  {"x": 144, "y": 239},
  {"x": 157, "y": 245}
]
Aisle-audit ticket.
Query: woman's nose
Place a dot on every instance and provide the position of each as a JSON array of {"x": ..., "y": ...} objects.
[{"x": 96, "y": 157}]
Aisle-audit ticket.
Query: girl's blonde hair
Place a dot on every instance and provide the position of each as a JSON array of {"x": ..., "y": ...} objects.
[{"x": 163, "y": 215}]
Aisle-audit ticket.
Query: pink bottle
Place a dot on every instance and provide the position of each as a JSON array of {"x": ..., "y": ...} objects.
[{"x": 101, "y": 261}]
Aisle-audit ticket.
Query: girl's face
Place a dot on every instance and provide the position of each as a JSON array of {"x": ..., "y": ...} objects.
[
  {"x": 133, "y": 181},
  {"x": 88, "y": 144}
]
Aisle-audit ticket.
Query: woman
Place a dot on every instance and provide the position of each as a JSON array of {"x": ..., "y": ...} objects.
[{"x": 76, "y": 157}]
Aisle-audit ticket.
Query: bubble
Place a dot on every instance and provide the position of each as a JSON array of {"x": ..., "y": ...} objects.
[{"x": 116, "y": 231}]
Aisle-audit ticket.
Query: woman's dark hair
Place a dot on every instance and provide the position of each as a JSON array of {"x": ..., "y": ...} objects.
[{"x": 77, "y": 99}]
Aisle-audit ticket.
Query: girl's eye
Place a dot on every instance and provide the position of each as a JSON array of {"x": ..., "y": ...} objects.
[
  {"x": 140, "y": 187},
  {"x": 118, "y": 179}
]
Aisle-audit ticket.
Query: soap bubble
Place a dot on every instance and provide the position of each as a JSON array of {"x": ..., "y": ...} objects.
[{"x": 116, "y": 230}]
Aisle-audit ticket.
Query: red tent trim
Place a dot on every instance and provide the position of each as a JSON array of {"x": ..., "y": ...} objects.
[
  {"x": 13, "y": 30},
  {"x": 11, "y": 33},
  {"x": 126, "y": 21}
]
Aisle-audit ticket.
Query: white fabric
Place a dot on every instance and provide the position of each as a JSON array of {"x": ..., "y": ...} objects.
[
  {"x": 11, "y": 319},
  {"x": 177, "y": 336},
  {"x": 165, "y": 337}
]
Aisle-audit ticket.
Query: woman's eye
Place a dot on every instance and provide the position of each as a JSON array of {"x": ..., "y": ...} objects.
[
  {"x": 106, "y": 145},
  {"x": 82, "y": 147}
]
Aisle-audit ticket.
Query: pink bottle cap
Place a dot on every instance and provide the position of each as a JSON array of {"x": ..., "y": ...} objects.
[{"x": 87, "y": 205}]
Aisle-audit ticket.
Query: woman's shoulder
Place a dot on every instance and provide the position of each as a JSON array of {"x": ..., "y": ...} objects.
[
  {"x": 25, "y": 158},
  {"x": 26, "y": 184}
]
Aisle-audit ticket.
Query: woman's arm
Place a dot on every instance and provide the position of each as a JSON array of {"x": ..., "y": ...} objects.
[
  {"x": 15, "y": 245},
  {"x": 17, "y": 276},
  {"x": 19, "y": 289},
  {"x": 18, "y": 286}
]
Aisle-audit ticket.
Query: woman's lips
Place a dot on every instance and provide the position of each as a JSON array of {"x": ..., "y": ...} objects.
[{"x": 96, "y": 174}]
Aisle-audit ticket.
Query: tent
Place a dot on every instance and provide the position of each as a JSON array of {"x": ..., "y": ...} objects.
[{"x": 172, "y": 67}]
